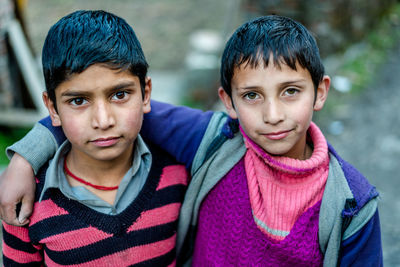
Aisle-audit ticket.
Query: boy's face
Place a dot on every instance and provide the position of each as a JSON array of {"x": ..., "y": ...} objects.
[
  {"x": 275, "y": 106},
  {"x": 101, "y": 112}
]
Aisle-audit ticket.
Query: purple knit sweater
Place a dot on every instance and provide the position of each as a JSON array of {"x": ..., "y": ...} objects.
[{"x": 228, "y": 236}]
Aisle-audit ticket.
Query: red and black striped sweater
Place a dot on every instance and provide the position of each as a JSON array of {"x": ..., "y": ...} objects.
[{"x": 67, "y": 233}]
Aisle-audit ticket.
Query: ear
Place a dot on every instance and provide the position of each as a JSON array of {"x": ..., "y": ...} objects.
[
  {"x": 227, "y": 101},
  {"x": 55, "y": 119},
  {"x": 322, "y": 93},
  {"x": 147, "y": 95}
]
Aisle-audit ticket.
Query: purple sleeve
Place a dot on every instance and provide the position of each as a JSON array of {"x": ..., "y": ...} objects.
[
  {"x": 364, "y": 248},
  {"x": 178, "y": 130}
]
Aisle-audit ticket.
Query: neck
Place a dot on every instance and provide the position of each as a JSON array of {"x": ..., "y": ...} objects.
[
  {"x": 99, "y": 172},
  {"x": 312, "y": 156},
  {"x": 307, "y": 152}
]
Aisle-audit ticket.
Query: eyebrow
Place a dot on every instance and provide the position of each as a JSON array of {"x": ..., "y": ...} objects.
[
  {"x": 113, "y": 88},
  {"x": 252, "y": 87},
  {"x": 292, "y": 82},
  {"x": 122, "y": 86}
]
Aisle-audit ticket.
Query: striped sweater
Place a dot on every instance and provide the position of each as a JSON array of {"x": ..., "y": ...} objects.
[{"x": 67, "y": 233}]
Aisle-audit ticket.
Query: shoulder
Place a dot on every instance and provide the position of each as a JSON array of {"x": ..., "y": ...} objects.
[
  {"x": 40, "y": 180},
  {"x": 360, "y": 187},
  {"x": 159, "y": 155},
  {"x": 221, "y": 137},
  {"x": 348, "y": 204},
  {"x": 165, "y": 166},
  {"x": 218, "y": 124}
]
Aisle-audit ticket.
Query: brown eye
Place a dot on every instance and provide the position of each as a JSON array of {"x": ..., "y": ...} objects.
[
  {"x": 120, "y": 95},
  {"x": 78, "y": 101}
]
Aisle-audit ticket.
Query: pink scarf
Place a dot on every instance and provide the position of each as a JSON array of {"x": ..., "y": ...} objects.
[{"x": 281, "y": 189}]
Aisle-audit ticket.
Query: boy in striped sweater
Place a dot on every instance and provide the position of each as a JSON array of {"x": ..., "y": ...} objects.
[{"x": 106, "y": 198}]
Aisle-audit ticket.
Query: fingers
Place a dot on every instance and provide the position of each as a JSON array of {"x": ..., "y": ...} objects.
[
  {"x": 17, "y": 189},
  {"x": 7, "y": 207},
  {"x": 26, "y": 209},
  {"x": 8, "y": 214}
]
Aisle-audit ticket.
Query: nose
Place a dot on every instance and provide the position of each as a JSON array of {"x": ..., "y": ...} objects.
[
  {"x": 103, "y": 116},
  {"x": 273, "y": 112}
]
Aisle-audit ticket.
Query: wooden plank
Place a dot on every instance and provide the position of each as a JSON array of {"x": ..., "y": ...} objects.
[{"x": 29, "y": 69}]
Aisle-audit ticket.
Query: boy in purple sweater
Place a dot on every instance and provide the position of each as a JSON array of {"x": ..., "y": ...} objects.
[{"x": 267, "y": 189}]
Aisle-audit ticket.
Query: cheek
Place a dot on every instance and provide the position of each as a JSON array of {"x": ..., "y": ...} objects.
[
  {"x": 131, "y": 121},
  {"x": 73, "y": 130},
  {"x": 303, "y": 115},
  {"x": 247, "y": 121}
]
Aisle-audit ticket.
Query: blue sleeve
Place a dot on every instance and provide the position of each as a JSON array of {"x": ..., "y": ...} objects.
[
  {"x": 56, "y": 131},
  {"x": 178, "y": 130},
  {"x": 364, "y": 248}
]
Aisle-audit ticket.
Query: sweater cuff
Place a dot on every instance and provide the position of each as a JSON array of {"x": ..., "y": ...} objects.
[{"x": 37, "y": 147}]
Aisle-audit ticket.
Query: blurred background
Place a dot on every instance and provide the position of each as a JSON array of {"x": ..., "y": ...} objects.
[{"x": 359, "y": 42}]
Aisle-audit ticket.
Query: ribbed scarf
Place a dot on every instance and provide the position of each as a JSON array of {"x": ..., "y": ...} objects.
[{"x": 281, "y": 189}]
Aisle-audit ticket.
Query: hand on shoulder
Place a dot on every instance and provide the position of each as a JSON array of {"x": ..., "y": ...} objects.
[{"x": 17, "y": 191}]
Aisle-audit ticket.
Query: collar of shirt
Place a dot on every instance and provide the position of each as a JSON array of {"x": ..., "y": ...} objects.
[{"x": 129, "y": 188}]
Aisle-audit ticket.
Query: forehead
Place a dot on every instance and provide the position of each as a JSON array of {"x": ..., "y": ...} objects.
[
  {"x": 96, "y": 78},
  {"x": 274, "y": 72}
]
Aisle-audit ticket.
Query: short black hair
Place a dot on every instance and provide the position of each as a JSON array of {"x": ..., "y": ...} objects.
[
  {"x": 87, "y": 37},
  {"x": 286, "y": 40}
]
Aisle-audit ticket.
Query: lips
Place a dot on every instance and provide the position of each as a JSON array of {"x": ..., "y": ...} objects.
[
  {"x": 105, "y": 142},
  {"x": 277, "y": 135}
]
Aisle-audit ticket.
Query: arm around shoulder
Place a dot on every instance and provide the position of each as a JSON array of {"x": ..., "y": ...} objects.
[
  {"x": 177, "y": 129},
  {"x": 39, "y": 145},
  {"x": 17, "y": 183}
]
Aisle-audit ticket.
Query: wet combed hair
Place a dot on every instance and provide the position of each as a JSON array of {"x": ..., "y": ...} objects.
[
  {"x": 285, "y": 39},
  {"x": 84, "y": 38}
]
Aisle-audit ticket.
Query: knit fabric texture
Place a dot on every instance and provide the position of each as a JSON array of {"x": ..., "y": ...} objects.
[
  {"x": 64, "y": 232},
  {"x": 228, "y": 236},
  {"x": 265, "y": 211},
  {"x": 282, "y": 188}
]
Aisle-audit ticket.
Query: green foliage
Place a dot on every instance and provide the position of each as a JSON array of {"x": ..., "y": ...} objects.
[
  {"x": 8, "y": 137},
  {"x": 361, "y": 69}
]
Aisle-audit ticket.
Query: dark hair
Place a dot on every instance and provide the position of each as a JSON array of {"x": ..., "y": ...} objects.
[
  {"x": 285, "y": 39},
  {"x": 85, "y": 37}
]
